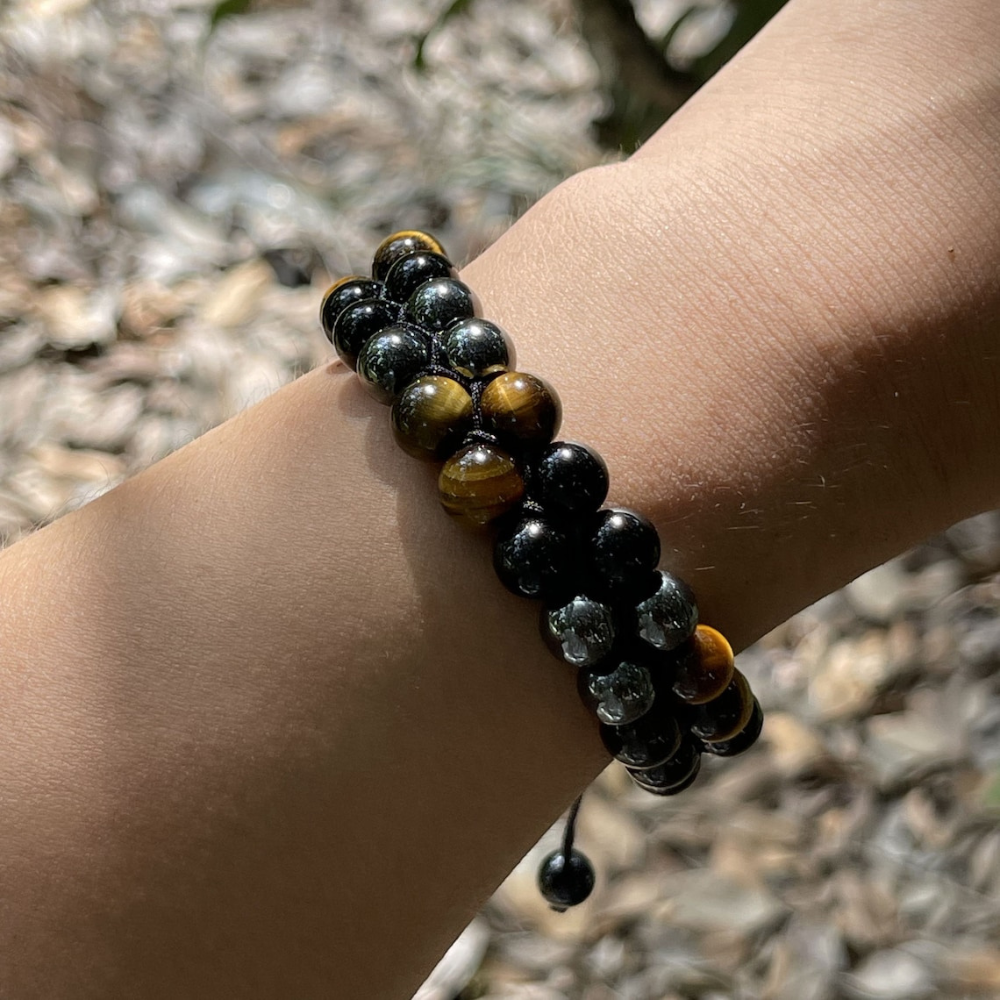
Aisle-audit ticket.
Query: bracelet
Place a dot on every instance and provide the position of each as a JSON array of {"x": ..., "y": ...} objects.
[{"x": 664, "y": 688}]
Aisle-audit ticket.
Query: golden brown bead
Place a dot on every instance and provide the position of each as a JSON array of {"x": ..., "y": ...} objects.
[
  {"x": 705, "y": 666},
  {"x": 431, "y": 417},
  {"x": 521, "y": 409},
  {"x": 479, "y": 482},
  {"x": 725, "y": 716},
  {"x": 401, "y": 243}
]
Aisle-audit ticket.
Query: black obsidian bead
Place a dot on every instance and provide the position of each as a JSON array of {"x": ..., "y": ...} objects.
[
  {"x": 569, "y": 477},
  {"x": 581, "y": 631},
  {"x": 476, "y": 347},
  {"x": 743, "y": 740},
  {"x": 669, "y": 615},
  {"x": 357, "y": 323},
  {"x": 565, "y": 881},
  {"x": 412, "y": 270},
  {"x": 673, "y": 776},
  {"x": 724, "y": 717},
  {"x": 533, "y": 557},
  {"x": 390, "y": 360},
  {"x": 623, "y": 549},
  {"x": 340, "y": 295},
  {"x": 438, "y": 303},
  {"x": 619, "y": 695},
  {"x": 648, "y": 742},
  {"x": 397, "y": 245}
]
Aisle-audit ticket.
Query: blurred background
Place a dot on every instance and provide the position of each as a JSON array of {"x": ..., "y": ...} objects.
[{"x": 180, "y": 180}]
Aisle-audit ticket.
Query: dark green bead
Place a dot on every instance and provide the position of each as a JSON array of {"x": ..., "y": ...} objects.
[
  {"x": 340, "y": 295},
  {"x": 533, "y": 557},
  {"x": 476, "y": 347},
  {"x": 392, "y": 359},
  {"x": 398, "y": 245},
  {"x": 411, "y": 270},
  {"x": 438, "y": 303},
  {"x": 357, "y": 324}
]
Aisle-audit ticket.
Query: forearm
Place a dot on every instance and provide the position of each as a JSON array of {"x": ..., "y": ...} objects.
[{"x": 273, "y": 725}]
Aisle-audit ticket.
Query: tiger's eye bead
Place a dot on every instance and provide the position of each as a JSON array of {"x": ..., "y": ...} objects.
[
  {"x": 438, "y": 303},
  {"x": 340, "y": 295},
  {"x": 675, "y": 775},
  {"x": 704, "y": 667},
  {"x": 395, "y": 246},
  {"x": 412, "y": 270},
  {"x": 669, "y": 615},
  {"x": 357, "y": 323},
  {"x": 570, "y": 478},
  {"x": 743, "y": 740},
  {"x": 648, "y": 742},
  {"x": 520, "y": 409},
  {"x": 533, "y": 557},
  {"x": 724, "y": 717},
  {"x": 619, "y": 696},
  {"x": 479, "y": 483},
  {"x": 565, "y": 882},
  {"x": 431, "y": 417},
  {"x": 624, "y": 548},
  {"x": 581, "y": 632},
  {"x": 390, "y": 360},
  {"x": 476, "y": 347}
]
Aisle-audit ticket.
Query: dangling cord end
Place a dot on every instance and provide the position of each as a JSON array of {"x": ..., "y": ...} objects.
[{"x": 566, "y": 877}]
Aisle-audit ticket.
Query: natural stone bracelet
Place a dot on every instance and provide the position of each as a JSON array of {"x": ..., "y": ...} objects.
[{"x": 663, "y": 687}]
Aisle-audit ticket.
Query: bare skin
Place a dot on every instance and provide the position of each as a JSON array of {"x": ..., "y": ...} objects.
[{"x": 271, "y": 726}]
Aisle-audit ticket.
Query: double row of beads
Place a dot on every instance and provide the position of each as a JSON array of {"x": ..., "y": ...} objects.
[{"x": 664, "y": 688}]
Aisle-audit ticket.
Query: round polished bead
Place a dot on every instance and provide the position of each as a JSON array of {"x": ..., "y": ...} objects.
[
  {"x": 411, "y": 270},
  {"x": 479, "y": 483},
  {"x": 431, "y": 416},
  {"x": 704, "y": 666},
  {"x": 581, "y": 631},
  {"x": 563, "y": 881},
  {"x": 743, "y": 740},
  {"x": 533, "y": 557},
  {"x": 673, "y": 776},
  {"x": 476, "y": 347},
  {"x": 340, "y": 295},
  {"x": 436, "y": 304},
  {"x": 401, "y": 243},
  {"x": 357, "y": 323},
  {"x": 570, "y": 478},
  {"x": 521, "y": 409},
  {"x": 668, "y": 616},
  {"x": 619, "y": 696},
  {"x": 648, "y": 742},
  {"x": 725, "y": 716},
  {"x": 624, "y": 548},
  {"x": 390, "y": 360}
]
